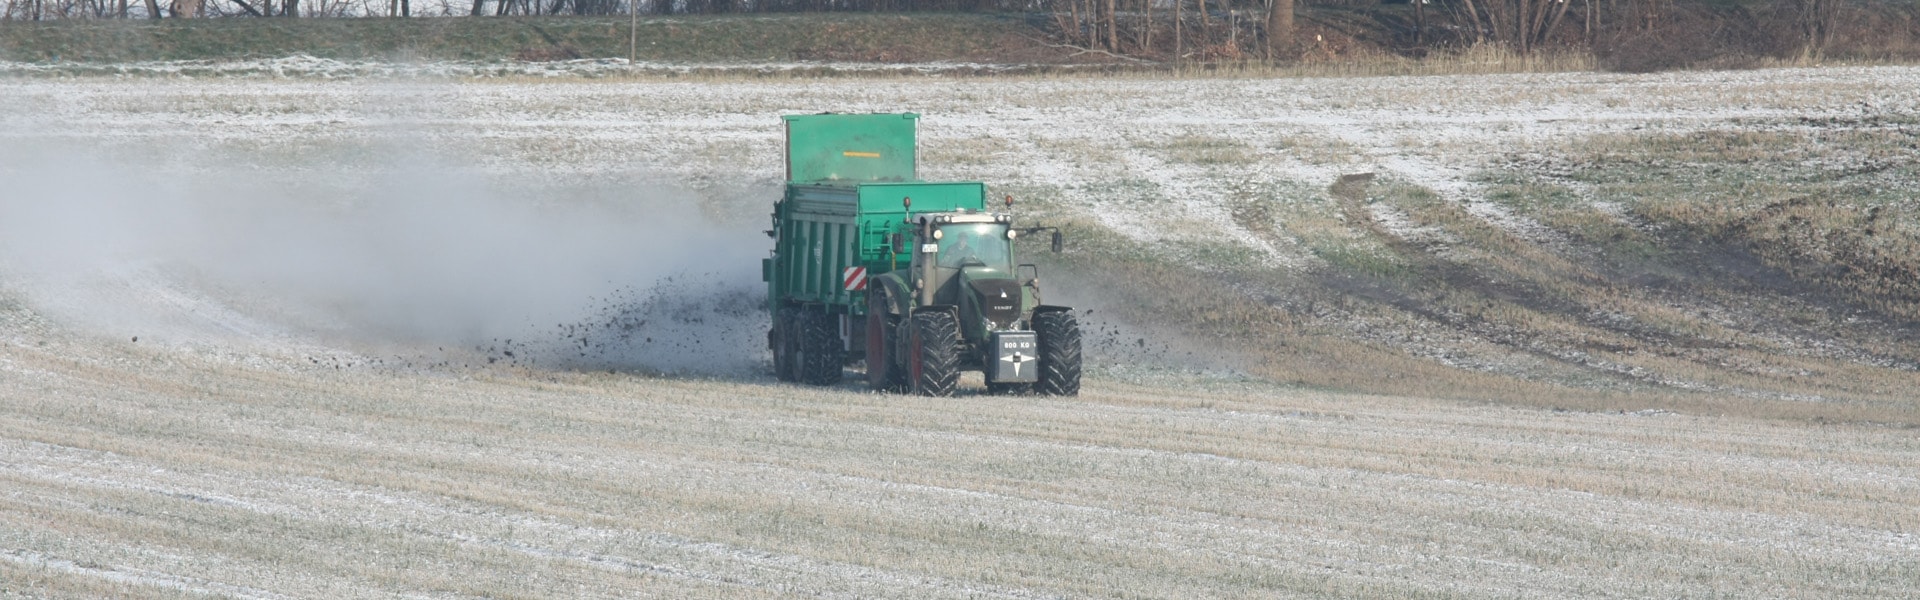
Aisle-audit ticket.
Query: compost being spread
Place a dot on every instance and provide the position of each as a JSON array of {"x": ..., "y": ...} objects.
[{"x": 916, "y": 279}]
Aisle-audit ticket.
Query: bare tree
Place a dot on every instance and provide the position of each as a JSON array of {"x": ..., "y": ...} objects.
[
  {"x": 1280, "y": 27},
  {"x": 1520, "y": 24},
  {"x": 1179, "y": 43},
  {"x": 1816, "y": 20},
  {"x": 1113, "y": 24}
]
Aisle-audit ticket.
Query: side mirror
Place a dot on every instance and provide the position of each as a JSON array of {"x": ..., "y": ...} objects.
[
  {"x": 1059, "y": 241},
  {"x": 899, "y": 243}
]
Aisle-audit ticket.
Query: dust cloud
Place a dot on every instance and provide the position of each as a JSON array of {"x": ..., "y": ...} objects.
[{"x": 183, "y": 245}]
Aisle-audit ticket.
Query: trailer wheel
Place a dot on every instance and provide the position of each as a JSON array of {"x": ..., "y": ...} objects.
[
  {"x": 934, "y": 354},
  {"x": 821, "y": 354},
  {"x": 1059, "y": 341},
  {"x": 883, "y": 339},
  {"x": 784, "y": 340}
]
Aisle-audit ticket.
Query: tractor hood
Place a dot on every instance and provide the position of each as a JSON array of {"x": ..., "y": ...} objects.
[{"x": 995, "y": 293}]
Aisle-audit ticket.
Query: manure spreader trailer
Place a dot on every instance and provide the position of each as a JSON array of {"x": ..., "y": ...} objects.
[{"x": 916, "y": 279}]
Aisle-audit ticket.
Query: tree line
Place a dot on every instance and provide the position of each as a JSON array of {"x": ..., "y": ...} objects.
[{"x": 1274, "y": 29}]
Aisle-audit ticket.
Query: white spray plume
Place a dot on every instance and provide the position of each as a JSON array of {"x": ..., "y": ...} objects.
[{"x": 413, "y": 254}]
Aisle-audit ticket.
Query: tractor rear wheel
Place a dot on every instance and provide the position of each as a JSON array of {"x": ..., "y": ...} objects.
[
  {"x": 783, "y": 338},
  {"x": 934, "y": 353},
  {"x": 883, "y": 341},
  {"x": 821, "y": 354},
  {"x": 1059, "y": 341}
]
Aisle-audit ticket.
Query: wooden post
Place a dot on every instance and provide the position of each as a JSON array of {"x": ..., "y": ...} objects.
[{"x": 1420, "y": 23}]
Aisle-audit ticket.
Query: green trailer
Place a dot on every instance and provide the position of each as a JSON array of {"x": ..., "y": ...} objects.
[{"x": 862, "y": 252}]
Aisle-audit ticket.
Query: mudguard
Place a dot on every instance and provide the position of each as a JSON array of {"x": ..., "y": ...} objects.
[{"x": 897, "y": 293}]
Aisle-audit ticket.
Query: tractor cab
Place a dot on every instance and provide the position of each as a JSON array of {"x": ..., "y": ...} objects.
[
  {"x": 956, "y": 241},
  {"x": 965, "y": 260},
  {"x": 975, "y": 242}
]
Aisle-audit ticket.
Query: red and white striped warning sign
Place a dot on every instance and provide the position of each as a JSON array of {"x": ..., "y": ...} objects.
[{"x": 855, "y": 278}]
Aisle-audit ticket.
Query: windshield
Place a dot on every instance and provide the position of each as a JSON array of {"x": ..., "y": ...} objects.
[{"x": 975, "y": 244}]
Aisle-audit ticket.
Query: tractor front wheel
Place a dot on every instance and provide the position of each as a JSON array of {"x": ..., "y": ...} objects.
[
  {"x": 1059, "y": 341},
  {"x": 934, "y": 353}
]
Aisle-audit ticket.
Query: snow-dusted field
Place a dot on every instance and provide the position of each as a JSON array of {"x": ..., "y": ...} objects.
[
  {"x": 310, "y": 410},
  {"x": 1078, "y": 134}
]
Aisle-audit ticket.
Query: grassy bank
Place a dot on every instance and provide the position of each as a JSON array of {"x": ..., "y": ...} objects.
[{"x": 860, "y": 38}]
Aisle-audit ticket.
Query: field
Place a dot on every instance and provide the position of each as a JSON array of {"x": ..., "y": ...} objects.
[{"x": 1578, "y": 335}]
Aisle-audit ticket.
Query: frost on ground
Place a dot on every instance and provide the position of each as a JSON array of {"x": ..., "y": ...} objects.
[
  {"x": 145, "y": 473},
  {"x": 375, "y": 319}
]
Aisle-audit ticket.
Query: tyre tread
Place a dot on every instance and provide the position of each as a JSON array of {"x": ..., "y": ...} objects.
[
  {"x": 1059, "y": 334},
  {"x": 785, "y": 344},
  {"x": 938, "y": 343},
  {"x": 821, "y": 355}
]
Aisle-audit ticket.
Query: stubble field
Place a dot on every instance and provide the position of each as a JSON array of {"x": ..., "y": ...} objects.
[{"x": 1581, "y": 335}]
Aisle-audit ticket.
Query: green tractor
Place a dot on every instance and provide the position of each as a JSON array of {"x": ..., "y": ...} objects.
[{"x": 915, "y": 279}]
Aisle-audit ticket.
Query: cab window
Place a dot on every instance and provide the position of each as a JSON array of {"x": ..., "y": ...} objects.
[{"x": 979, "y": 244}]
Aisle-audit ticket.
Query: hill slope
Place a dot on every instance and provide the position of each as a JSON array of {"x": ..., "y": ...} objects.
[
  {"x": 716, "y": 39},
  {"x": 1532, "y": 238}
]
